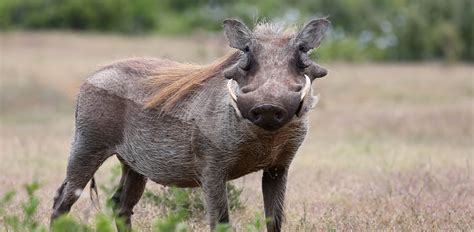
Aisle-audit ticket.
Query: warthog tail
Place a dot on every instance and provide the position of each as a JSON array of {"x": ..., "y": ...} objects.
[{"x": 93, "y": 189}]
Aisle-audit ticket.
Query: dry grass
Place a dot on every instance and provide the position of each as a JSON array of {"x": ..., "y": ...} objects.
[{"x": 390, "y": 147}]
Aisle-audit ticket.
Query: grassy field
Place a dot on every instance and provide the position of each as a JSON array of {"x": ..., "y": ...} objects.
[{"x": 391, "y": 146}]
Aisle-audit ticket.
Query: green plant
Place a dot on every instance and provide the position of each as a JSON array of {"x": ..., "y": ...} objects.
[
  {"x": 68, "y": 223},
  {"x": 110, "y": 187},
  {"x": 258, "y": 223},
  {"x": 223, "y": 228},
  {"x": 233, "y": 197},
  {"x": 174, "y": 221},
  {"x": 190, "y": 200},
  {"x": 26, "y": 221},
  {"x": 361, "y": 29}
]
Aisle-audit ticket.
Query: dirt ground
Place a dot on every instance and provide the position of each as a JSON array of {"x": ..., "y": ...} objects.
[{"x": 390, "y": 145}]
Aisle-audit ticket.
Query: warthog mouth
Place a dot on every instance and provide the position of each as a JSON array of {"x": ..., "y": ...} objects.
[{"x": 306, "y": 89}]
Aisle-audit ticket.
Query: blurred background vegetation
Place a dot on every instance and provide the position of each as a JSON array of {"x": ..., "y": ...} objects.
[{"x": 363, "y": 30}]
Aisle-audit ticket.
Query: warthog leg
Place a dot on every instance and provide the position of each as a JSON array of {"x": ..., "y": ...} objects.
[
  {"x": 273, "y": 187},
  {"x": 214, "y": 187},
  {"x": 128, "y": 194},
  {"x": 83, "y": 162}
]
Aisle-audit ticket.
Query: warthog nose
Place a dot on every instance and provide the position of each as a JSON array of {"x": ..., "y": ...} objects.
[{"x": 268, "y": 117}]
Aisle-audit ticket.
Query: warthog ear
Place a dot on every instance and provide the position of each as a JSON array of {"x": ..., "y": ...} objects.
[
  {"x": 312, "y": 33},
  {"x": 316, "y": 71},
  {"x": 237, "y": 34}
]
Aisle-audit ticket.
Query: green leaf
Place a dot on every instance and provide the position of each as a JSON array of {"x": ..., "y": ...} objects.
[
  {"x": 104, "y": 223},
  {"x": 66, "y": 223}
]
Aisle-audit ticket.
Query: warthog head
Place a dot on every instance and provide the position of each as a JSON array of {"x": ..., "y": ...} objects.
[{"x": 274, "y": 74}]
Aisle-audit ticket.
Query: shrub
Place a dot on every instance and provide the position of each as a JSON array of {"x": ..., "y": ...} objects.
[
  {"x": 397, "y": 29},
  {"x": 26, "y": 220},
  {"x": 106, "y": 15}
]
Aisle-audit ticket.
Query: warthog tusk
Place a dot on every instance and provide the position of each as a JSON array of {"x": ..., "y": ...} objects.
[
  {"x": 234, "y": 98},
  {"x": 306, "y": 88},
  {"x": 231, "y": 91}
]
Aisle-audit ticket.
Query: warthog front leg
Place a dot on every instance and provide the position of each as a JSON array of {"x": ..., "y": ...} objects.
[
  {"x": 273, "y": 187},
  {"x": 214, "y": 187}
]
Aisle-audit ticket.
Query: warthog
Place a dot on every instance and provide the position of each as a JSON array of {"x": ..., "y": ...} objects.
[{"x": 187, "y": 125}]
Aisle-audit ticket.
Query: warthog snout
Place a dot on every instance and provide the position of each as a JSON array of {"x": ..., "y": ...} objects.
[
  {"x": 271, "y": 105},
  {"x": 283, "y": 101},
  {"x": 268, "y": 116}
]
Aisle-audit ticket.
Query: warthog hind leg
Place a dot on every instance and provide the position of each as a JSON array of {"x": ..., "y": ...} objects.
[
  {"x": 129, "y": 192},
  {"x": 83, "y": 163}
]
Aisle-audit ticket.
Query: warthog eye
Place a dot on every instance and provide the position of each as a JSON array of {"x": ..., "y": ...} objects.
[
  {"x": 246, "y": 49},
  {"x": 302, "y": 60},
  {"x": 302, "y": 48},
  {"x": 301, "y": 64}
]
